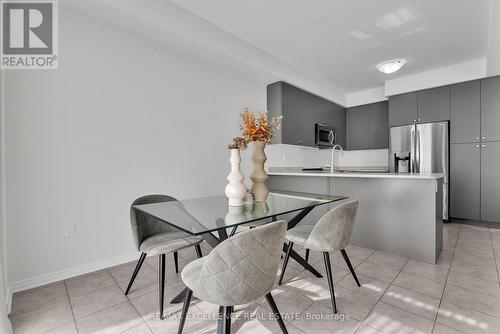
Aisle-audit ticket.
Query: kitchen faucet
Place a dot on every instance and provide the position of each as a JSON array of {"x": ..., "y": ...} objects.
[{"x": 333, "y": 150}]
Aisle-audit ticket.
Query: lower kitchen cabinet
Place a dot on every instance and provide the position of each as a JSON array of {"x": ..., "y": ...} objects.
[
  {"x": 490, "y": 182},
  {"x": 465, "y": 176}
]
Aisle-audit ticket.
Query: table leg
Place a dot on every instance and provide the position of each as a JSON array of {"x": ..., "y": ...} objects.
[{"x": 294, "y": 255}]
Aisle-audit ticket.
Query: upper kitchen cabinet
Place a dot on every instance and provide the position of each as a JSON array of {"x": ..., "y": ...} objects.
[
  {"x": 433, "y": 105},
  {"x": 367, "y": 127},
  {"x": 358, "y": 128},
  {"x": 490, "y": 109},
  {"x": 403, "y": 109},
  {"x": 379, "y": 125},
  {"x": 301, "y": 110},
  {"x": 465, "y": 107}
]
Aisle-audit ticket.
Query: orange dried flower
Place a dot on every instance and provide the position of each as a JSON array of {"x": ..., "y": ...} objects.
[
  {"x": 257, "y": 127},
  {"x": 238, "y": 143}
]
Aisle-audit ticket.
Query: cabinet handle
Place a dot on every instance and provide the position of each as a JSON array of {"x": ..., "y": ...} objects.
[
  {"x": 414, "y": 120},
  {"x": 419, "y": 119},
  {"x": 477, "y": 138},
  {"x": 483, "y": 138},
  {"x": 477, "y": 146},
  {"x": 483, "y": 145}
]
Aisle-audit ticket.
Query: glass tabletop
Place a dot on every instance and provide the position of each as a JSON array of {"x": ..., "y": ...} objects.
[{"x": 207, "y": 214}]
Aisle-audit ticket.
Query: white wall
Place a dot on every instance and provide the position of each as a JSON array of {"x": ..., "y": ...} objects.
[
  {"x": 494, "y": 40},
  {"x": 471, "y": 70},
  {"x": 366, "y": 96},
  {"x": 120, "y": 118},
  {"x": 5, "y": 326}
]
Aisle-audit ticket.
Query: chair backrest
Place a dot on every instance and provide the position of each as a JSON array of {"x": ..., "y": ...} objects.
[
  {"x": 243, "y": 268},
  {"x": 333, "y": 230},
  {"x": 145, "y": 226}
]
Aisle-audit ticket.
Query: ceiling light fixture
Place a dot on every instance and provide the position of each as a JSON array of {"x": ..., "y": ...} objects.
[{"x": 390, "y": 66}]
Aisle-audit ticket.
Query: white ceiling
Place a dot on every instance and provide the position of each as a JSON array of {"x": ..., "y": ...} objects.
[{"x": 341, "y": 41}]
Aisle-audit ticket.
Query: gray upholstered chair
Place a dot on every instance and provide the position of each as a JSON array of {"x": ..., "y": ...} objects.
[
  {"x": 240, "y": 270},
  {"x": 330, "y": 234},
  {"x": 154, "y": 237}
]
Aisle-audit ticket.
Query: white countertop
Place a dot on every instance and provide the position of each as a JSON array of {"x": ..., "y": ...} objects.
[{"x": 433, "y": 176}]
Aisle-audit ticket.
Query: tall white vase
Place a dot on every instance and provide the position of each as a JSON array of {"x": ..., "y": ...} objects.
[
  {"x": 258, "y": 175},
  {"x": 235, "y": 189}
]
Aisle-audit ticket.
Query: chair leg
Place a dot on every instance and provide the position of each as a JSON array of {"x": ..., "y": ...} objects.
[
  {"x": 285, "y": 262},
  {"x": 161, "y": 282},
  {"x": 226, "y": 323},
  {"x": 348, "y": 262},
  {"x": 329, "y": 277},
  {"x": 185, "y": 308},
  {"x": 274, "y": 308},
  {"x": 176, "y": 262},
  {"x": 136, "y": 271},
  {"x": 307, "y": 255},
  {"x": 198, "y": 251}
]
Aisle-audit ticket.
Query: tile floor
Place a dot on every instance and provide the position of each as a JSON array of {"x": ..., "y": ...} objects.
[{"x": 460, "y": 294}]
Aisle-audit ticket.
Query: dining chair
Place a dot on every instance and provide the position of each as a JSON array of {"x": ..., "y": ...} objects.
[
  {"x": 239, "y": 270},
  {"x": 330, "y": 234},
  {"x": 153, "y": 237}
]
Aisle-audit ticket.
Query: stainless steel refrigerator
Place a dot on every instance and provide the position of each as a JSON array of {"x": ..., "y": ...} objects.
[{"x": 422, "y": 148}]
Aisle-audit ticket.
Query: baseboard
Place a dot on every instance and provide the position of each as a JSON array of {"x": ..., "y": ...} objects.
[{"x": 38, "y": 281}]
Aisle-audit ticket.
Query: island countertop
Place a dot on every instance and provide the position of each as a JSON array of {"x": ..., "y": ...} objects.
[{"x": 432, "y": 176}]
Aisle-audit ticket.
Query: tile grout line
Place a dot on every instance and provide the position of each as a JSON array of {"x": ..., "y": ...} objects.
[
  {"x": 381, "y": 296},
  {"x": 71, "y": 307},
  {"x": 133, "y": 306},
  {"x": 446, "y": 280},
  {"x": 291, "y": 322},
  {"x": 104, "y": 309},
  {"x": 494, "y": 257}
]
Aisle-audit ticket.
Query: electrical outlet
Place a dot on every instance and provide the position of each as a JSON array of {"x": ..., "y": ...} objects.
[{"x": 69, "y": 229}]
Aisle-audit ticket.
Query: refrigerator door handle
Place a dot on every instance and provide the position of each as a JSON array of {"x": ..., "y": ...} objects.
[
  {"x": 417, "y": 150},
  {"x": 413, "y": 155}
]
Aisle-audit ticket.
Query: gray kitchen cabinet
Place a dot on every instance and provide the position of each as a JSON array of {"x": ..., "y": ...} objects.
[
  {"x": 301, "y": 110},
  {"x": 434, "y": 105},
  {"x": 490, "y": 109},
  {"x": 465, "y": 176},
  {"x": 367, "y": 127},
  {"x": 358, "y": 128},
  {"x": 379, "y": 125},
  {"x": 490, "y": 182},
  {"x": 465, "y": 112},
  {"x": 403, "y": 109},
  {"x": 338, "y": 121},
  {"x": 299, "y": 116}
]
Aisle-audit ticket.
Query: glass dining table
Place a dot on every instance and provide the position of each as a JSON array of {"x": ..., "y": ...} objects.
[{"x": 214, "y": 220}]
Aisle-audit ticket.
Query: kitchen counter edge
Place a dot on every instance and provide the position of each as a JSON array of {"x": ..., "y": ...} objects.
[{"x": 433, "y": 176}]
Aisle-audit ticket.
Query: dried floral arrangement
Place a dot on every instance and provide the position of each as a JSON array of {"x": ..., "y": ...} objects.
[
  {"x": 238, "y": 143},
  {"x": 257, "y": 127}
]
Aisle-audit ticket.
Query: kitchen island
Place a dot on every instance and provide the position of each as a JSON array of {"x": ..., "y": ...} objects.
[{"x": 400, "y": 214}]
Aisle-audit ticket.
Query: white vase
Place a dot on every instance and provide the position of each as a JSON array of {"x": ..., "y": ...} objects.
[
  {"x": 258, "y": 175},
  {"x": 235, "y": 189}
]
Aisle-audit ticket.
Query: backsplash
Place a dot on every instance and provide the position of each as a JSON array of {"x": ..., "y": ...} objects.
[{"x": 280, "y": 155}]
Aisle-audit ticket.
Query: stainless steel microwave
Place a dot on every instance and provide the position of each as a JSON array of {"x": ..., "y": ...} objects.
[{"x": 324, "y": 135}]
